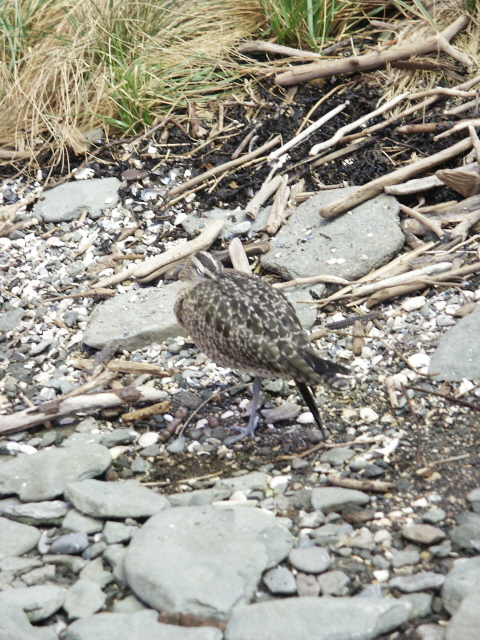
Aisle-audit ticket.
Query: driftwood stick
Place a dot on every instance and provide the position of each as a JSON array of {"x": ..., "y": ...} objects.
[
  {"x": 400, "y": 264},
  {"x": 463, "y": 124},
  {"x": 363, "y": 485},
  {"x": 279, "y": 212},
  {"x": 462, "y": 229},
  {"x": 393, "y": 292},
  {"x": 414, "y": 186},
  {"x": 354, "y": 125},
  {"x": 309, "y": 130},
  {"x": 226, "y": 166},
  {"x": 476, "y": 142},
  {"x": 373, "y": 188},
  {"x": 270, "y": 47},
  {"x": 65, "y": 406},
  {"x": 145, "y": 268},
  {"x": 238, "y": 256},
  {"x": 310, "y": 280},
  {"x": 431, "y": 224},
  {"x": 377, "y": 59},
  {"x": 266, "y": 190},
  {"x": 422, "y": 184},
  {"x": 124, "y": 366}
]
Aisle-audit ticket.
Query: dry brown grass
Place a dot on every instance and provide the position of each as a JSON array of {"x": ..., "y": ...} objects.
[{"x": 71, "y": 65}]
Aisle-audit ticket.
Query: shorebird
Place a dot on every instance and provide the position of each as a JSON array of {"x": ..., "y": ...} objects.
[{"x": 240, "y": 321}]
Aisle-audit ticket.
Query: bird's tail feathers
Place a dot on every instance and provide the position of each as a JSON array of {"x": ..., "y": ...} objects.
[{"x": 320, "y": 366}]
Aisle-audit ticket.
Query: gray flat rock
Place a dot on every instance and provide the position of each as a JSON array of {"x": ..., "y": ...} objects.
[
  {"x": 27, "y": 475},
  {"x": 357, "y": 242},
  {"x": 319, "y": 618},
  {"x": 143, "y": 625},
  {"x": 17, "y": 538},
  {"x": 38, "y": 513},
  {"x": 421, "y": 604},
  {"x": 135, "y": 319},
  {"x": 310, "y": 559},
  {"x": 336, "y": 499},
  {"x": 76, "y": 521},
  {"x": 15, "y": 625},
  {"x": 10, "y": 320},
  {"x": 68, "y": 200},
  {"x": 417, "y": 581},
  {"x": 474, "y": 498},
  {"x": 203, "y": 560},
  {"x": 465, "y": 622},
  {"x": 280, "y": 581},
  {"x": 115, "y": 499},
  {"x": 39, "y": 603},
  {"x": 422, "y": 533},
  {"x": 461, "y": 581},
  {"x": 458, "y": 353},
  {"x": 467, "y": 536},
  {"x": 83, "y": 599}
]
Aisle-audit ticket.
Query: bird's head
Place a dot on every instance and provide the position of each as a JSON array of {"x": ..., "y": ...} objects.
[{"x": 200, "y": 266}]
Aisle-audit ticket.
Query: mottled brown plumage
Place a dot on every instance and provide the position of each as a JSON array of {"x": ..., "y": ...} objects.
[{"x": 242, "y": 322}]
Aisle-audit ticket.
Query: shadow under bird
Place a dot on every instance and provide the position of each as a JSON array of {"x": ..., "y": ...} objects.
[{"x": 241, "y": 322}]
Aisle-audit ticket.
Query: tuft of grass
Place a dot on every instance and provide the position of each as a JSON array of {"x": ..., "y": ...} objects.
[
  {"x": 68, "y": 65},
  {"x": 311, "y": 22}
]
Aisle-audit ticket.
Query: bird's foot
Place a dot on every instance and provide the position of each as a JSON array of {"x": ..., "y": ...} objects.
[{"x": 249, "y": 430}]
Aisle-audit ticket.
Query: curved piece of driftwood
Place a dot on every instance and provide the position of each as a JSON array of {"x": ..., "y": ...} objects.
[
  {"x": 378, "y": 59},
  {"x": 181, "y": 251}
]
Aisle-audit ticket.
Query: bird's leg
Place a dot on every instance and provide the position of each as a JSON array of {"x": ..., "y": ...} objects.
[{"x": 249, "y": 430}]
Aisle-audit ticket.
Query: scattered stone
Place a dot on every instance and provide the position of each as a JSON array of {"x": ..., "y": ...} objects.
[
  {"x": 467, "y": 536},
  {"x": 114, "y": 554},
  {"x": 25, "y": 475},
  {"x": 115, "y": 499},
  {"x": 333, "y": 583},
  {"x": 69, "y": 200},
  {"x": 320, "y": 618},
  {"x": 142, "y": 625},
  {"x": 280, "y": 581},
  {"x": 39, "y": 603},
  {"x": 72, "y": 563},
  {"x": 474, "y": 498},
  {"x": 39, "y": 576},
  {"x": 17, "y": 538},
  {"x": 123, "y": 435},
  {"x": 70, "y": 543},
  {"x": 417, "y": 581},
  {"x": 430, "y": 632},
  {"x": 83, "y": 599},
  {"x": 307, "y": 585},
  {"x": 337, "y": 456},
  {"x": 95, "y": 572},
  {"x": 135, "y": 319},
  {"x": 337, "y": 499},
  {"x": 225, "y": 550},
  {"x": 115, "y": 532},
  {"x": 460, "y": 582},
  {"x": 310, "y": 559},
  {"x": 9, "y": 320},
  {"x": 38, "y": 513},
  {"x": 15, "y": 625},
  {"x": 178, "y": 445},
  {"x": 458, "y": 353},
  {"x": 421, "y": 604},
  {"x": 130, "y": 604},
  {"x": 404, "y": 557},
  {"x": 76, "y": 521},
  {"x": 465, "y": 622},
  {"x": 422, "y": 533},
  {"x": 434, "y": 515},
  {"x": 139, "y": 465},
  {"x": 286, "y": 411}
]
